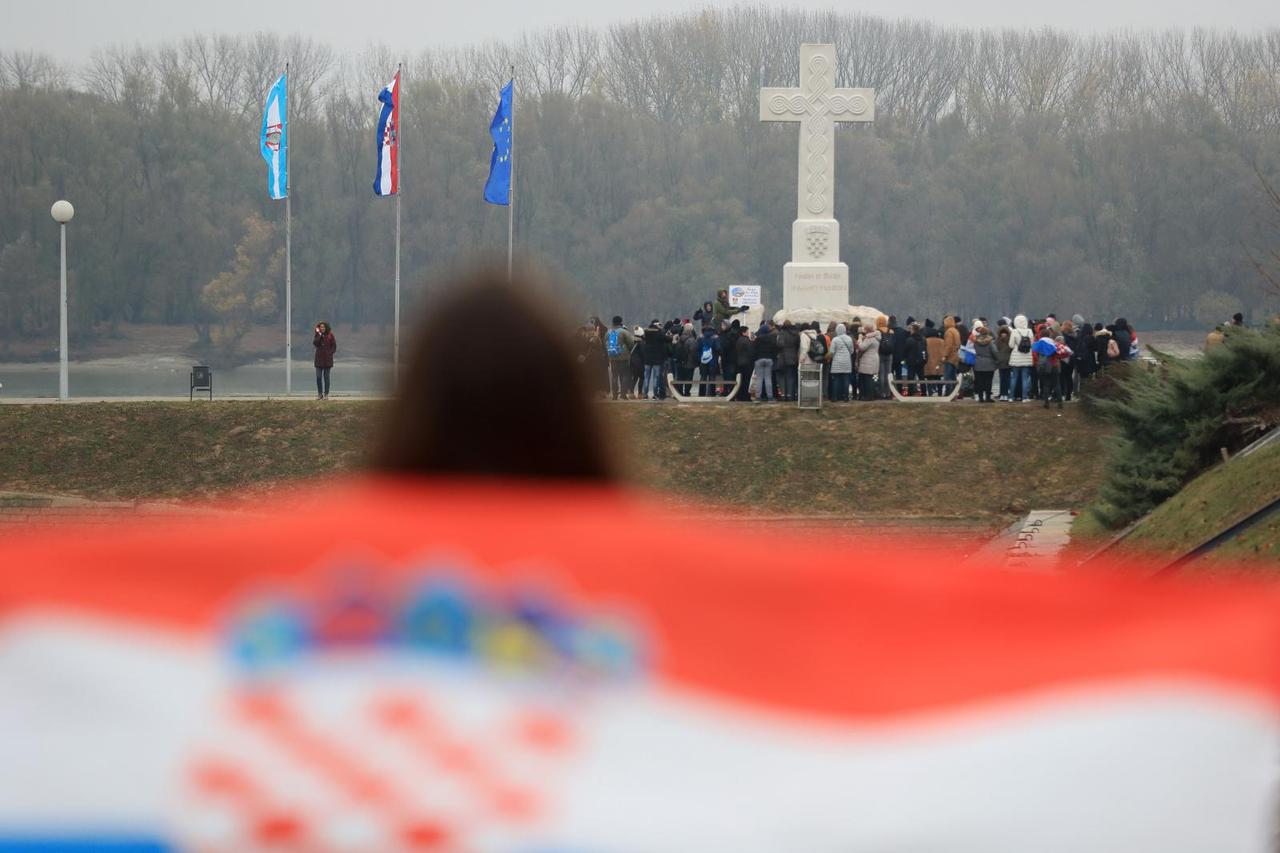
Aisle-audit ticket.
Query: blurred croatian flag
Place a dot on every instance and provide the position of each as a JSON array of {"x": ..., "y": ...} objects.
[{"x": 497, "y": 190}]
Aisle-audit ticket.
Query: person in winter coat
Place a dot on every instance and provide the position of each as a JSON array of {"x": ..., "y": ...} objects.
[
  {"x": 706, "y": 317},
  {"x": 933, "y": 364},
  {"x": 842, "y": 348},
  {"x": 1020, "y": 341},
  {"x": 900, "y": 336},
  {"x": 1104, "y": 345},
  {"x": 1003, "y": 349},
  {"x": 708, "y": 361},
  {"x": 1124, "y": 338},
  {"x": 618, "y": 344},
  {"x": 745, "y": 355},
  {"x": 326, "y": 346},
  {"x": 962, "y": 330},
  {"x": 1066, "y": 366},
  {"x": 729, "y": 354},
  {"x": 788, "y": 358},
  {"x": 1086, "y": 354},
  {"x": 951, "y": 344},
  {"x": 722, "y": 311},
  {"x": 637, "y": 364},
  {"x": 766, "y": 352},
  {"x": 687, "y": 350},
  {"x": 985, "y": 362},
  {"x": 1050, "y": 367},
  {"x": 868, "y": 348},
  {"x": 655, "y": 353},
  {"x": 885, "y": 352},
  {"x": 914, "y": 358},
  {"x": 590, "y": 354},
  {"x": 809, "y": 334}
]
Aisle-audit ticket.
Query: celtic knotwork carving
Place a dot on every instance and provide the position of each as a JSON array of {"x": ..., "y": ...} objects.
[
  {"x": 854, "y": 104},
  {"x": 794, "y": 105},
  {"x": 817, "y": 104}
]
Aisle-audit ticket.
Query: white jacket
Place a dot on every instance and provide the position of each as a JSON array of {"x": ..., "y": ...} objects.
[
  {"x": 1020, "y": 330},
  {"x": 841, "y": 351}
]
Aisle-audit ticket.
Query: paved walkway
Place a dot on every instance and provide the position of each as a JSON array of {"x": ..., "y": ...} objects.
[
  {"x": 260, "y": 398},
  {"x": 1032, "y": 544},
  {"x": 19, "y": 510}
]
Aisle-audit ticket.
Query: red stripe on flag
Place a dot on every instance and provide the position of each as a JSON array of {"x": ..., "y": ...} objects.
[{"x": 783, "y": 622}]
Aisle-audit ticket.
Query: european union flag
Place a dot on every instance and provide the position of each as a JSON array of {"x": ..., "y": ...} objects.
[{"x": 497, "y": 190}]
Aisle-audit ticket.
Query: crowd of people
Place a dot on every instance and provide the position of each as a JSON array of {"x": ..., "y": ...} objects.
[{"x": 712, "y": 352}]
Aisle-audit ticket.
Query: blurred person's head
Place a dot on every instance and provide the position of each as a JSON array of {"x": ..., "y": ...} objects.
[{"x": 482, "y": 419}]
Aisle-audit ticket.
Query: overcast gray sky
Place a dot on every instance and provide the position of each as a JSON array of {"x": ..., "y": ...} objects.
[{"x": 70, "y": 29}]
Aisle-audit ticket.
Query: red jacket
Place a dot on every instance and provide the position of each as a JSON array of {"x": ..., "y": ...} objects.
[{"x": 326, "y": 345}]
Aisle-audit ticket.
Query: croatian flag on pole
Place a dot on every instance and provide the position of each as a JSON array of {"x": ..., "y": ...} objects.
[
  {"x": 497, "y": 189},
  {"x": 471, "y": 666},
  {"x": 275, "y": 138},
  {"x": 386, "y": 180}
]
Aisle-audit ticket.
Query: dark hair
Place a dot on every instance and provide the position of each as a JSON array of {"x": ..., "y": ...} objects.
[
  {"x": 617, "y": 319},
  {"x": 327, "y": 327},
  {"x": 1237, "y": 318},
  {"x": 472, "y": 416}
]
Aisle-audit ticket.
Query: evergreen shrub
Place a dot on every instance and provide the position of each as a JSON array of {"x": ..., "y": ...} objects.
[{"x": 1173, "y": 421}]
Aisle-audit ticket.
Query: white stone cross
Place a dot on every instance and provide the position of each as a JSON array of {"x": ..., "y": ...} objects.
[{"x": 817, "y": 105}]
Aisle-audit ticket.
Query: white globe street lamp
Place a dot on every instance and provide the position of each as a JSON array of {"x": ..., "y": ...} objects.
[{"x": 62, "y": 211}]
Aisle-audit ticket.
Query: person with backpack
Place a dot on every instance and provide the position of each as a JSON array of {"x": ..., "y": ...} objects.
[
  {"x": 788, "y": 359},
  {"x": 618, "y": 344},
  {"x": 885, "y": 352},
  {"x": 1021, "y": 339},
  {"x": 729, "y": 355}
]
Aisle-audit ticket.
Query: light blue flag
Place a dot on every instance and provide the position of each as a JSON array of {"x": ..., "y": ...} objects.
[
  {"x": 275, "y": 138},
  {"x": 497, "y": 190}
]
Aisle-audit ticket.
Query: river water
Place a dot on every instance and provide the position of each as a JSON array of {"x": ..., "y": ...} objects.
[{"x": 169, "y": 376}]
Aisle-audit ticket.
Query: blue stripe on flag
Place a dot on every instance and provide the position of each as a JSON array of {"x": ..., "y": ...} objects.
[{"x": 84, "y": 844}]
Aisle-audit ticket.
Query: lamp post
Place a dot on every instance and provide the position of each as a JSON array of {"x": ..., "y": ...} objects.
[{"x": 62, "y": 212}]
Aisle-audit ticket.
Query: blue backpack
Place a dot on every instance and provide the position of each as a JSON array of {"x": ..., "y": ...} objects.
[
  {"x": 707, "y": 353},
  {"x": 613, "y": 343}
]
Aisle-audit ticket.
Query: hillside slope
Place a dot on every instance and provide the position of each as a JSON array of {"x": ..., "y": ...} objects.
[{"x": 891, "y": 460}]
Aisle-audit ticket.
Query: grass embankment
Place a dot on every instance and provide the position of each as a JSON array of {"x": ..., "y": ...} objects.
[
  {"x": 888, "y": 460},
  {"x": 1208, "y": 505}
]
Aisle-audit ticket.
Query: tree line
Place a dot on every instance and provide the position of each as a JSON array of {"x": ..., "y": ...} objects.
[{"x": 1007, "y": 170}]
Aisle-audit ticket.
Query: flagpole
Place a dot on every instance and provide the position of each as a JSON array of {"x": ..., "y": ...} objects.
[
  {"x": 395, "y": 368},
  {"x": 511, "y": 192},
  {"x": 288, "y": 248}
]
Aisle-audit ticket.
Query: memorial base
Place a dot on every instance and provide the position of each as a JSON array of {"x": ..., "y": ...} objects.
[{"x": 815, "y": 285}]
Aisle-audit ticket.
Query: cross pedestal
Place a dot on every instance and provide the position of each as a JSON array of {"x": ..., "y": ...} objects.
[{"x": 816, "y": 278}]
